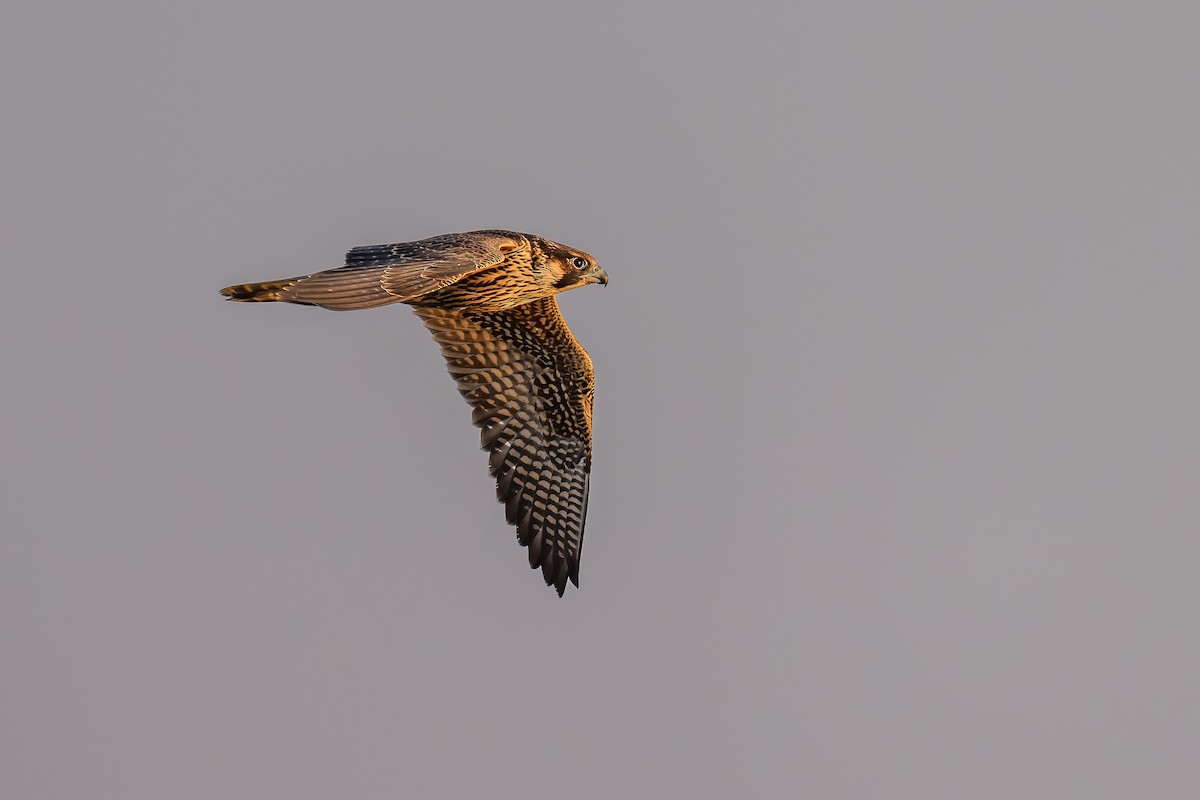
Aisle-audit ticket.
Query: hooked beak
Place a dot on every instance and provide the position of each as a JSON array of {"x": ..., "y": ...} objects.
[{"x": 599, "y": 276}]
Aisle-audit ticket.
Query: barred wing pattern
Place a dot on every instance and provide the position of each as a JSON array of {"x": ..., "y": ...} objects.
[{"x": 531, "y": 385}]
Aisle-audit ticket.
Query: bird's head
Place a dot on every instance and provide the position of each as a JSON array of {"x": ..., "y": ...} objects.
[{"x": 576, "y": 267}]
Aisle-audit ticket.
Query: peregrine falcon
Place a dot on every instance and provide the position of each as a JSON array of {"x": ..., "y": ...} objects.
[{"x": 488, "y": 299}]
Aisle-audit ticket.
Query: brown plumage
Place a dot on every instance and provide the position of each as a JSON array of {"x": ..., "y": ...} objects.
[{"x": 488, "y": 299}]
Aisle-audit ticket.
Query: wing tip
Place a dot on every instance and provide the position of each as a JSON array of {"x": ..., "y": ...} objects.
[{"x": 556, "y": 572}]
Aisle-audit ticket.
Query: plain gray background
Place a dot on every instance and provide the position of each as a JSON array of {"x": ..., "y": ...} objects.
[{"x": 896, "y": 443}]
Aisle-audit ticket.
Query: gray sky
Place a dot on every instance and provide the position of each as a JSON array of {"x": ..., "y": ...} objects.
[{"x": 896, "y": 442}]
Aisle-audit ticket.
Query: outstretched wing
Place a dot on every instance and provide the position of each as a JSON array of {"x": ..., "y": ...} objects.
[
  {"x": 377, "y": 275},
  {"x": 531, "y": 384}
]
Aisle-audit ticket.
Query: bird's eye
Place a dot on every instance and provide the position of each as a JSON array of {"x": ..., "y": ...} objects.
[{"x": 579, "y": 263}]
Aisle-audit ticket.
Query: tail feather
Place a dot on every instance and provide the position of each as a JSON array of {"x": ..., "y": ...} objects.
[
  {"x": 267, "y": 292},
  {"x": 342, "y": 289}
]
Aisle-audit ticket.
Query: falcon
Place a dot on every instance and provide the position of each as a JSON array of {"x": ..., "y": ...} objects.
[{"x": 488, "y": 299}]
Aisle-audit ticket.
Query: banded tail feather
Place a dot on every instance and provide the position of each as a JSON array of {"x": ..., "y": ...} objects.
[
  {"x": 344, "y": 289},
  {"x": 267, "y": 292}
]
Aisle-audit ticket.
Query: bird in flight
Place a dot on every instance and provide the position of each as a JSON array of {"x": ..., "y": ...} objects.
[{"x": 488, "y": 299}]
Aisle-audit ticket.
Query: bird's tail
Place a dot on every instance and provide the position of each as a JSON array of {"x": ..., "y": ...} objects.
[
  {"x": 343, "y": 289},
  {"x": 267, "y": 292}
]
